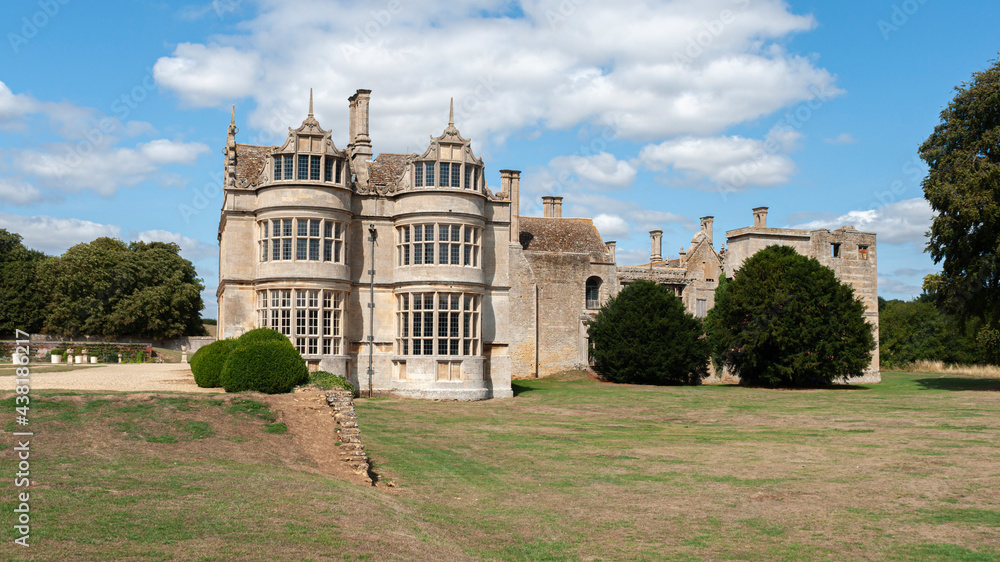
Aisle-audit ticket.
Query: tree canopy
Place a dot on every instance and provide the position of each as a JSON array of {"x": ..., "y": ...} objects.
[
  {"x": 643, "y": 335},
  {"x": 101, "y": 288},
  {"x": 786, "y": 320},
  {"x": 963, "y": 188}
]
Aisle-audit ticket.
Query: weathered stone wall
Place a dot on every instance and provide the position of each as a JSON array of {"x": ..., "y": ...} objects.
[{"x": 352, "y": 450}]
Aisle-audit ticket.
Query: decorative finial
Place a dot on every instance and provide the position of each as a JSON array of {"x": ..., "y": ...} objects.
[
  {"x": 232, "y": 117},
  {"x": 310, "y": 102},
  {"x": 451, "y": 113}
]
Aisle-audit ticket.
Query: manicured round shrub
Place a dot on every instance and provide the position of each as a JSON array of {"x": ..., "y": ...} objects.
[
  {"x": 785, "y": 320},
  {"x": 271, "y": 367},
  {"x": 643, "y": 335},
  {"x": 207, "y": 363},
  {"x": 261, "y": 335}
]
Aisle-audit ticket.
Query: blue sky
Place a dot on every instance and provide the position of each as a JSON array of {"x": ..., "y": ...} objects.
[{"x": 641, "y": 115}]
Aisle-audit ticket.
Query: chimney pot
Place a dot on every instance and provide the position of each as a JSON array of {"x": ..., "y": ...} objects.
[
  {"x": 611, "y": 249},
  {"x": 706, "y": 227},
  {"x": 760, "y": 217},
  {"x": 656, "y": 245}
]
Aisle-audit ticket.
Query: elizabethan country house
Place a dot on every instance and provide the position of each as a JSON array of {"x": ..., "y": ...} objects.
[{"x": 409, "y": 275}]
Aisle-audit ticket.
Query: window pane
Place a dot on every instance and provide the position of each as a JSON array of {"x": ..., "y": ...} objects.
[
  {"x": 327, "y": 250},
  {"x": 429, "y": 232},
  {"x": 418, "y": 254},
  {"x": 428, "y": 253},
  {"x": 287, "y": 166},
  {"x": 429, "y": 180},
  {"x": 314, "y": 250},
  {"x": 468, "y": 176},
  {"x": 286, "y": 249},
  {"x": 276, "y": 249},
  {"x": 328, "y": 169},
  {"x": 303, "y": 227},
  {"x": 418, "y": 324},
  {"x": 468, "y": 255},
  {"x": 454, "y": 254},
  {"x": 287, "y": 231},
  {"x": 418, "y": 234},
  {"x": 419, "y": 175},
  {"x": 275, "y": 228},
  {"x": 456, "y": 175},
  {"x": 443, "y": 254},
  {"x": 444, "y": 233},
  {"x": 444, "y": 174},
  {"x": 300, "y": 249},
  {"x": 406, "y": 234},
  {"x": 277, "y": 167},
  {"x": 303, "y": 167},
  {"x": 314, "y": 168},
  {"x": 338, "y": 251},
  {"x": 428, "y": 347},
  {"x": 336, "y": 179},
  {"x": 468, "y": 234},
  {"x": 406, "y": 255},
  {"x": 313, "y": 227},
  {"x": 328, "y": 229},
  {"x": 456, "y": 233}
]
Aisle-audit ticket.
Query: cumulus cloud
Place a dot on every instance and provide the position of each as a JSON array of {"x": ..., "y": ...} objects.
[
  {"x": 18, "y": 192},
  {"x": 103, "y": 170},
  {"x": 206, "y": 74},
  {"x": 671, "y": 68},
  {"x": 13, "y": 107},
  {"x": 729, "y": 163},
  {"x": 611, "y": 226},
  {"x": 904, "y": 222},
  {"x": 897, "y": 288},
  {"x": 54, "y": 235},
  {"x": 191, "y": 248},
  {"x": 598, "y": 170}
]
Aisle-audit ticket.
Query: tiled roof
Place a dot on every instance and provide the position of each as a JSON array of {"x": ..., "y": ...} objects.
[
  {"x": 250, "y": 160},
  {"x": 577, "y": 236},
  {"x": 386, "y": 169}
]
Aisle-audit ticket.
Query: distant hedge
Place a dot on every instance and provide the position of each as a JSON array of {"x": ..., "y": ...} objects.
[
  {"x": 207, "y": 363},
  {"x": 271, "y": 367}
]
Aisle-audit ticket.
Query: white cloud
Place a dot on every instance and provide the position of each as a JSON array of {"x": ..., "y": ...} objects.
[
  {"x": 904, "y": 222},
  {"x": 894, "y": 287},
  {"x": 730, "y": 163},
  {"x": 18, "y": 192},
  {"x": 611, "y": 226},
  {"x": 598, "y": 170},
  {"x": 206, "y": 74},
  {"x": 54, "y": 235},
  {"x": 842, "y": 138},
  {"x": 68, "y": 168},
  {"x": 191, "y": 248},
  {"x": 556, "y": 67},
  {"x": 13, "y": 107}
]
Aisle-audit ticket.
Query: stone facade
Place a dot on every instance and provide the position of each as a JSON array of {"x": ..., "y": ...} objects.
[
  {"x": 409, "y": 263},
  {"x": 400, "y": 263}
]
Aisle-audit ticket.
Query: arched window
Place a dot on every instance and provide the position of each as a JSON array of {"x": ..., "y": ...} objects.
[{"x": 593, "y": 293}]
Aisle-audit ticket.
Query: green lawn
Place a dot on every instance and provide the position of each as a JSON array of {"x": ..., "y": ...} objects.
[{"x": 568, "y": 469}]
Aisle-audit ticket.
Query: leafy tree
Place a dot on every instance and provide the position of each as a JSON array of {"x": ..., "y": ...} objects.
[
  {"x": 643, "y": 335},
  {"x": 917, "y": 330},
  {"x": 109, "y": 288},
  {"x": 785, "y": 320},
  {"x": 22, "y": 300},
  {"x": 963, "y": 187}
]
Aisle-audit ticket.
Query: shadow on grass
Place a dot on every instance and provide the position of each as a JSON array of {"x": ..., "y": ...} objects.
[
  {"x": 957, "y": 383},
  {"x": 520, "y": 388}
]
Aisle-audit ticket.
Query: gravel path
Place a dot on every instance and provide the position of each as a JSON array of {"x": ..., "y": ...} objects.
[{"x": 128, "y": 377}]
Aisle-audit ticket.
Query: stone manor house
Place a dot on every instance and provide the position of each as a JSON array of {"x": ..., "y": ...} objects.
[{"x": 408, "y": 274}]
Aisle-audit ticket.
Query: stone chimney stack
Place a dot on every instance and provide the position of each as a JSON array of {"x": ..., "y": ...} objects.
[
  {"x": 510, "y": 184},
  {"x": 359, "y": 144},
  {"x": 655, "y": 245},
  {"x": 611, "y": 249},
  {"x": 547, "y": 206},
  {"x": 760, "y": 217},
  {"x": 706, "y": 227},
  {"x": 552, "y": 207}
]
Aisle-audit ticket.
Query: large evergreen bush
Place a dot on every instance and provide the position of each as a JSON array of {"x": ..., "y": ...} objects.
[
  {"x": 262, "y": 335},
  {"x": 271, "y": 367},
  {"x": 208, "y": 361},
  {"x": 785, "y": 320},
  {"x": 643, "y": 335}
]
